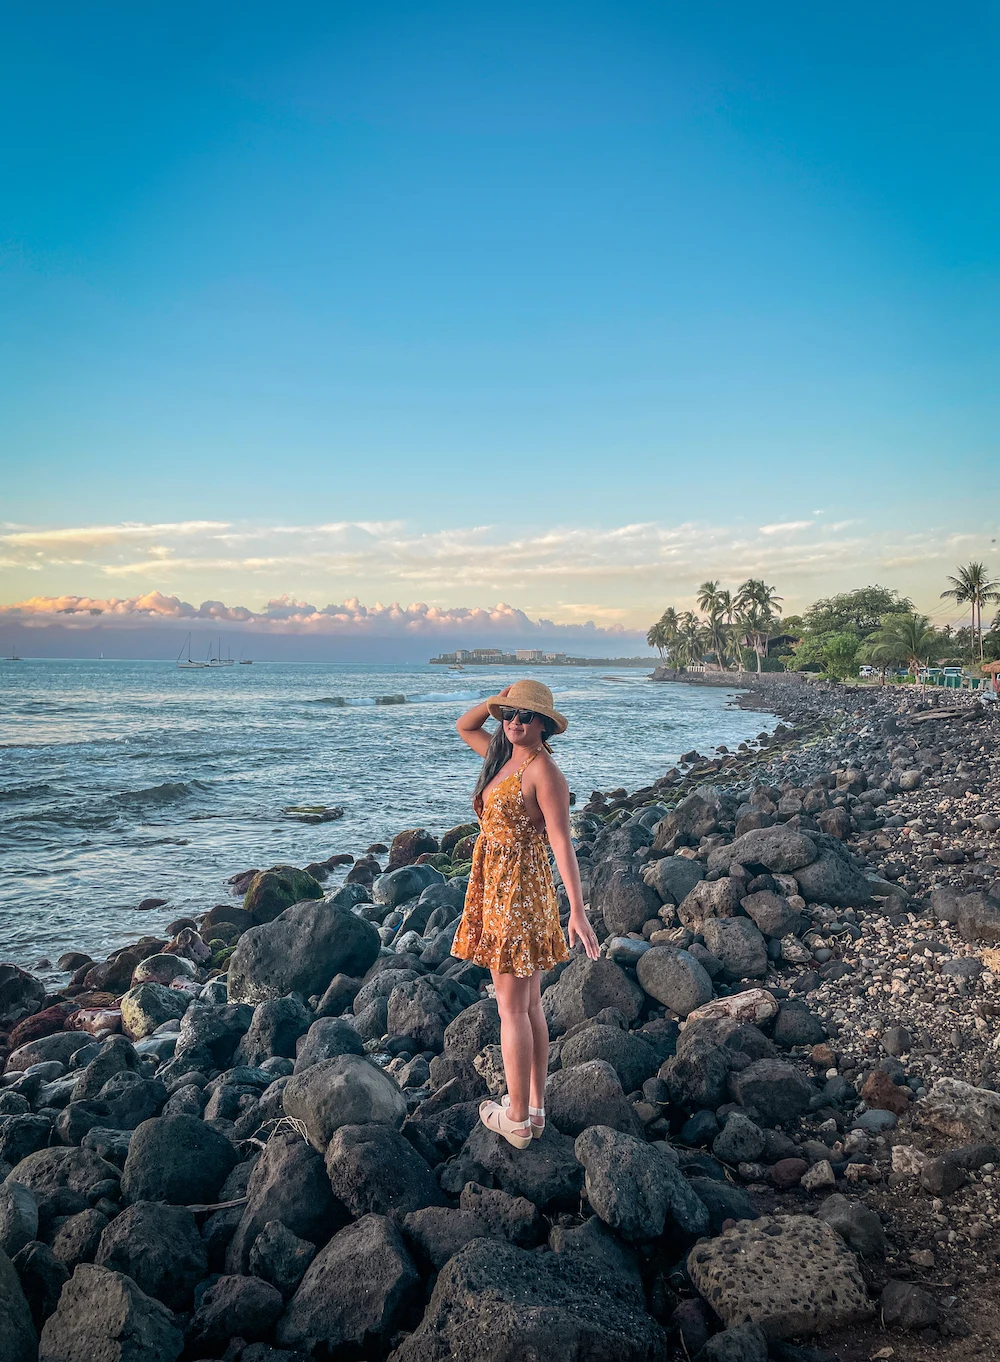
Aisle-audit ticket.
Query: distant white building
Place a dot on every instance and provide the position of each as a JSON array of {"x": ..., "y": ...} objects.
[
  {"x": 529, "y": 655},
  {"x": 555, "y": 657}
]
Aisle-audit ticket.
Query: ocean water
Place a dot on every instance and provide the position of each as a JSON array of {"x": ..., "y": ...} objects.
[{"x": 126, "y": 780}]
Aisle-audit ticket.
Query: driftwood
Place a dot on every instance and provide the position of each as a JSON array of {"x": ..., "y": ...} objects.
[{"x": 219, "y": 1205}]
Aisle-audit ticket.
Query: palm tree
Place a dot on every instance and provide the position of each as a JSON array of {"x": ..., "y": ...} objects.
[
  {"x": 755, "y": 606},
  {"x": 714, "y": 602},
  {"x": 973, "y": 587},
  {"x": 905, "y": 638},
  {"x": 708, "y": 597},
  {"x": 669, "y": 621},
  {"x": 882, "y": 649},
  {"x": 690, "y": 639},
  {"x": 656, "y": 637}
]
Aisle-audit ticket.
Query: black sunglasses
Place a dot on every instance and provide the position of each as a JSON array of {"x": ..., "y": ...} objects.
[{"x": 525, "y": 716}]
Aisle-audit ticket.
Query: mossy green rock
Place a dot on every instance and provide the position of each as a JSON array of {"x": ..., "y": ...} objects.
[
  {"x": 272, "y": 891},
  {"x": 453, "y": 836}
]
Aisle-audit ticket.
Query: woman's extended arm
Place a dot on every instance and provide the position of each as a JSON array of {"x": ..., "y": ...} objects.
[
  {"x": 552, "y": 794},
  {"x": 470, "y": 726}
]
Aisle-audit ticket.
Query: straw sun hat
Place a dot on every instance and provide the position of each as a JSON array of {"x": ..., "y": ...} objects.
[{"x": 528, "y": 695}]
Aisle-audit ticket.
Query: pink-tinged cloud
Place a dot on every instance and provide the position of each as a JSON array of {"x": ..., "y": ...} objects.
[{"x": 286, "y": 616}]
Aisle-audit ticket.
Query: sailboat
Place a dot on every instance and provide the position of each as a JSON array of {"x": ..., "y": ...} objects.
[
  {"x": 221, "y": 661},
  {"x": 13, "y": 657},
  {"x": 246, "y": 661},
  {"x": 190, "y": 664}
]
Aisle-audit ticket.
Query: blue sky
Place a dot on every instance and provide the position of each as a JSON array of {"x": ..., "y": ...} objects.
[{"x": 570, "y": 306}]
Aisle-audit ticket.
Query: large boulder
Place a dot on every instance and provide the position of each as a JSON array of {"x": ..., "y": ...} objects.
[
  {"x": 288, "y": 1184},
  {"x": 357, "y": 1293},
  {"x": 690, "y": 820},
  {"x": 408, "y": 845},
  {"x": 710, "y": 898},
  {"x": 623, "y": 897},
  {"x": 634, "y": 1188},
  {"x": 547, "y": 1173},
  {"x": 772, "y": 1090},
  {"x": 408, "y": 882},
  {"x": 496, "y": 1303},
  {"x": 210, "y": 1033},
  {"x": 18, "y": 1339},
  {"x": 791, "y": 1274},
  {"x": 588, "y": 1094},
  {"x": 674, "y": 978},
  {"x": 474, "y": 1028},
  {"x": 833, "y": 879},
  {"x": 21, "y": 995},
  {"x": 270, "y": 892},
  {"x": 586, "y": 987},
  {"x": 423, "y": 1008},
  {"x": 961, "y": 1112},
  {"x": 115, "y": 1056},
  {"x": 61, "y": 1046},
  {"x": 62, "y": 1178},
  {"x": 739, "y": 945},
  {"x": 159, "y": 1247},
  {"x": 345, "y": 1091},
  {"x": 177, "y": 1159},
  {"x": 374, "y": 1169},
  {"x": 276, "y": 1027},
  {"x": 779, "y": 849},
  {"x": 326, "y": 1039},
  {"x": 300, "y": 952},
  {"x": 673, "y": 877},
  {"x": 42, "y": 1277},
  {"x": 234, "y": 1307},
  {"x": 631, "y": 1057},
  {"x": 18, "y": 1217},
  {"x": 103, "y": 1316},
  {"x": 771, "y": 914}
]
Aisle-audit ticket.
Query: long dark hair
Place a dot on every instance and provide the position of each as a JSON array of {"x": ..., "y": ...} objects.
[{"x": 498, "y": 754}]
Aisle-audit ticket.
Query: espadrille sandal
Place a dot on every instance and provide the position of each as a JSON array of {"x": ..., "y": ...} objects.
[
  {"x": 536, "y": 1115},
  {"x": 493, "y": 1117}
]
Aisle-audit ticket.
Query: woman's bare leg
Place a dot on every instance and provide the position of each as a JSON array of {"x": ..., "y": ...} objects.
[
  {"x": 539, "y": 1044},
  {"x": 516, "y": 1040}
]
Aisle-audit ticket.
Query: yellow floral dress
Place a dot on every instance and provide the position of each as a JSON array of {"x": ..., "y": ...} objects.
[{"x": 511, "y": 918}]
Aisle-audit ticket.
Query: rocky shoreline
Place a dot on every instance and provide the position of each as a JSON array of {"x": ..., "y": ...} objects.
[{"x": 773, "y": 1119}]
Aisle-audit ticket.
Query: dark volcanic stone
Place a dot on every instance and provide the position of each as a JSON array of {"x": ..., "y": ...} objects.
[
  {"x": 634, "y": 1188},
  {"x": 588, "y": 1094},
  {"x": 42, "y": 1277},
  {"x": 103, "y": 1315},
  {"x": 373, "y": 1168},
  {"x": 496, "y": 1303},
  {"x": 289, "y": 1184},
  {"x": 234, "y": 1307},
  {"x": 18, "y": 1336},
  {"x": 177, "y": 1159},
  {"x": 277, "y": 1025},
  {"x": 356, "y": 1294},
  {"x": 300, "y": 952},
  {"x": 775, "y": 1091},
  {"x": 160, "y": 1248}
]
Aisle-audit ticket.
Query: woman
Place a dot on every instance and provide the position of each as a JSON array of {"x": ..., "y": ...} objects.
[{"x": 511, "y": 920}]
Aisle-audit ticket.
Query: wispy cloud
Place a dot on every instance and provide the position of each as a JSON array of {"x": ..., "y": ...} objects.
[{"x": 787, "y": 527}]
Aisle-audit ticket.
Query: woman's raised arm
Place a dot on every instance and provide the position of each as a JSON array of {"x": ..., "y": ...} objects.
[{"x": 470, "y": 726}]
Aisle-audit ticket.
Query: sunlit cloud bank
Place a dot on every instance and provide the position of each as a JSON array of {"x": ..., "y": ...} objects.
[
  {"x": 580, "y": 577},
  {"x": 285, "y": 616}
]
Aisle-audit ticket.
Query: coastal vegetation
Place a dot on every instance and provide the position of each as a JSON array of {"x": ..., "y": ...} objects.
[{"x": 872, "y": 627}]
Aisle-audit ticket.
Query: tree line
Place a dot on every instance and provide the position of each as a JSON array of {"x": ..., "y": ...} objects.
[{"x": 873, "y": 626}]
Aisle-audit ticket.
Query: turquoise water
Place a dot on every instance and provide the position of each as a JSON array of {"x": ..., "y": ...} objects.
[{"x": 126, "y": 780}]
